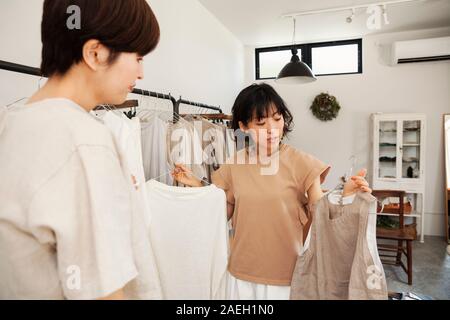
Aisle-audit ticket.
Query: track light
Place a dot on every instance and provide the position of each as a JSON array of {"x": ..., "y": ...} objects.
[
  {"x": 350, "y": 19},
  {"x": 377, "y": 11}
]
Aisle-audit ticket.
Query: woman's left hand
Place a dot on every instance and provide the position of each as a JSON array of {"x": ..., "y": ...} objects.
[{"x": 357, "y": 183}]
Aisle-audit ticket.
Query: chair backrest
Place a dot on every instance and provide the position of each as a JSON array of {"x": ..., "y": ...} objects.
[{"x": 381, "y": 194}]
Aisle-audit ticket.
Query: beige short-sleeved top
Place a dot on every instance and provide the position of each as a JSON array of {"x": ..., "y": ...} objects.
[
  {"x": 65, "y": 206},
  {"x": 269, "y": 214}
]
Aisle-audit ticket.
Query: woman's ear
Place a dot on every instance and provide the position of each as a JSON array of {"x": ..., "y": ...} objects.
[
  {"x": 243, "y": 127},
  {"x": 95, "y": 54}
]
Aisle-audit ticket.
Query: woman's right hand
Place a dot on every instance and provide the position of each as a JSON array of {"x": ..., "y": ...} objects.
[{"x": 185, "y": 176}]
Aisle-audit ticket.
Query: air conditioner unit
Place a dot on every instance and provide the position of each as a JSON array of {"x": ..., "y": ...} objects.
[{"x": 434, "y": 49}]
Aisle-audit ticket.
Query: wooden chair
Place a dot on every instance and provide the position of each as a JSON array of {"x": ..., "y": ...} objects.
[{"x": 403, "y": 234}]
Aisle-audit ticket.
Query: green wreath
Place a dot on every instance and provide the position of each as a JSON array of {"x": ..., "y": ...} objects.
[{"x": 325, "y": 107}]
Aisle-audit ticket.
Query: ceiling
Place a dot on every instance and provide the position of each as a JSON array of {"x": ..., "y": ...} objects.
[{"x": 259, "y": 22}]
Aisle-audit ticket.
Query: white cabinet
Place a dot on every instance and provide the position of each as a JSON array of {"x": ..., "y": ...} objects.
[{"x": 399, "y": 152}]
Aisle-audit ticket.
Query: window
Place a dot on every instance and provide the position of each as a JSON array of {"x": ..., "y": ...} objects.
[
  {"x": 335, "y": 59},
  {"x": 326, "y": 58}
]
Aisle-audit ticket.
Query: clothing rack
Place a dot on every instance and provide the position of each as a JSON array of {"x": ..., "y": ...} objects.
[
  {"x": 18, "y": 68},
  {"x": 211, "y": 116},
  {"x": 195, "y": 104}
]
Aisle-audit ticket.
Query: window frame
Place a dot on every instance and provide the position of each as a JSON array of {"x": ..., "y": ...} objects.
[{"x": 306, "y": 50}]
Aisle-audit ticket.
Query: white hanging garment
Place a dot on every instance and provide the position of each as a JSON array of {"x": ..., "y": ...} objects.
[
  {"x": 198, "y": 144},
  {"x": 214, "y": 147},
  {"x": 230, "y": 142},
  {"x": 189, "y": 234},
  {"x": 184, "y": 147},
  {"x": 127, "y": 136},
  {"x": 154, "y": 150}
]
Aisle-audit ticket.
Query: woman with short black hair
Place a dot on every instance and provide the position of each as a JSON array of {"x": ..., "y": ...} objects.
[
  {"x": 65, "y": 203},
  {"x": 269, "y": 186}
]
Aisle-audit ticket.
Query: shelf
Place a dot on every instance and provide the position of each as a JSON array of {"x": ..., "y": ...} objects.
[
  {"x": 406, "y": 215},
  {"x": 387, "y": 144},
  {"x": 411, "y": 145},
  {"x": 388, "y": 159},
  {"x": 389, "y": 131},
  {"x": 411, "y": 130}
]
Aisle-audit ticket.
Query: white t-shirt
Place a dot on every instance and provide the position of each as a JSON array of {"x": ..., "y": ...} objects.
[
  {"x": 65, "y": 229},
  {"x": 189, "y": 233},
  {"x": 127, "y": 135}
]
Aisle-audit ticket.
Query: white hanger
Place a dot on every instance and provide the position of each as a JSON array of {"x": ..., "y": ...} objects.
[
  {"x": 170, "y": 172},
  {"x": 345, "y": 179},
  {"x": 13, "y": 103}
]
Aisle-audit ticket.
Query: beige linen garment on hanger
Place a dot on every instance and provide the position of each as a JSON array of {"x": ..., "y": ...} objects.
[{"x": 340, "y": 261}]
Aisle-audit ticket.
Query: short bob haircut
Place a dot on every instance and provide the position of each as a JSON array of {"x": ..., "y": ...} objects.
[
  {"x": 120, "y": 25},
  {"x": 255, "y": 102}
]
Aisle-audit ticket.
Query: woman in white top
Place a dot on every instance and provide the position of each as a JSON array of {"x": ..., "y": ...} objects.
[{"x": 65, "y": 230}]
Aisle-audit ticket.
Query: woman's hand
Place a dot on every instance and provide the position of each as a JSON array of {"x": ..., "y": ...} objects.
[
  {"x": 357, "y": 183},
  {"x": 184, "y": 175}
]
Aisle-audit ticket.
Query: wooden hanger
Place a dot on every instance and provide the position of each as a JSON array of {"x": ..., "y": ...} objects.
[{"x": 126, "y": 105}]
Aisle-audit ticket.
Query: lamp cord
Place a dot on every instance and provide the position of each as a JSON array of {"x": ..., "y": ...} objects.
[{"x": 295, "y": 29}]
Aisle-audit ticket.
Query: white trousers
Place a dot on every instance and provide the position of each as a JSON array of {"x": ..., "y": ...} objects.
[{"x": 244, "y": 290}]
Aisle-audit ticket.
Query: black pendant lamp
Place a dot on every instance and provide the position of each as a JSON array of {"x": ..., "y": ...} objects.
[{"x": 296, "y": 71}]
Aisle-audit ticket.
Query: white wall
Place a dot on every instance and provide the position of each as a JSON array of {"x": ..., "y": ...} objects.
[
  {"x": 197, "y": 57},
  {"x": 20, "y": 43},
  {"x": 414, "y": 88}
]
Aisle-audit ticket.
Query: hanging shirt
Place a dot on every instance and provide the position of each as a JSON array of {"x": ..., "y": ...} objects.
[
  {"x": 340, "y": 259},
  {"x": 269, "y": 213},
  {"x": 127, "y": 135},
  {"x": 154, "y": 150},
  {"x": 212, "y": 142},
  {"x": 230, "y": 142},
  {"x": 190, "y": 236},
  {"x": 185, "y": 147},
  {"x": 65, "y": 204}
]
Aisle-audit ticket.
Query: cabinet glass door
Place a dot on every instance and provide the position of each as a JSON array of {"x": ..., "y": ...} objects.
[
  {"x": 387, "y": 161},
  {"x": 410, "y": 148}
]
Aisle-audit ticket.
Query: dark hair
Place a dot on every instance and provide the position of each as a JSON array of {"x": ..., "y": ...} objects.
[
  {"x": 257, "y": 100},
  {"x": 120, "y": 25}
]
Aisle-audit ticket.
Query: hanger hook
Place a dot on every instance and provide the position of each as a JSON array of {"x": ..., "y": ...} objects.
[
  {"x": 39, "y": 83},
  {"x": 169, "y": 100},
  {"x": 353, "y": 160}
]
